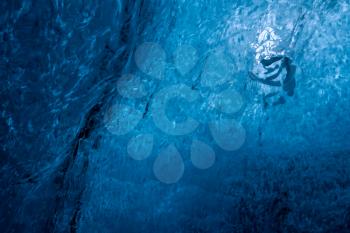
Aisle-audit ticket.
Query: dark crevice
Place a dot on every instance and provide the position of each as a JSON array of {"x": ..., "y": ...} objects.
[
  {"x": 61, "y": 181},
  {"x": 148, "y": 105},
  {"x": 70, "y": 183}
]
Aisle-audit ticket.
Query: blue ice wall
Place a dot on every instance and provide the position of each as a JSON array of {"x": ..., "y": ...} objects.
[{"x": 174, "y": 116}]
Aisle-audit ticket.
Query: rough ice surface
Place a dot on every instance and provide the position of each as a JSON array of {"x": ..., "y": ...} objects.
[{"x": 175, "y": 116}]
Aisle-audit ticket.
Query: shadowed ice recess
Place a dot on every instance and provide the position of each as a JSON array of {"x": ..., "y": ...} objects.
[{"x": 175, "y": 116}]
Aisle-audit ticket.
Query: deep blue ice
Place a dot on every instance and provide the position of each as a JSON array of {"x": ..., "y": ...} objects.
[{"x": 175, "y": 116}]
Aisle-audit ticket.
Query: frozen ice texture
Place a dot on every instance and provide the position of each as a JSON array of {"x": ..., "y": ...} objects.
[{"x": 63, "y": 170}]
